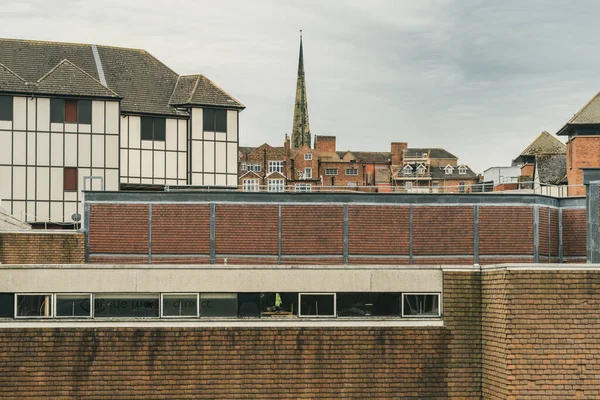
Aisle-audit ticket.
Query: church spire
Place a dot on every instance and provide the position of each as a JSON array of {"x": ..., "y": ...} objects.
[{"x": 301, "y": 128}]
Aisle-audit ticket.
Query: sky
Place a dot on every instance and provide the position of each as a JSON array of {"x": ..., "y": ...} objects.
[{"x": 480, "y": 78}]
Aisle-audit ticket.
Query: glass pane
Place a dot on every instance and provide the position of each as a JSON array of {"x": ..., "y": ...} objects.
[
  {"x": 421, "y": 305},
  {"x": 220, "y": 121},
  {"x": 84, "y": 111},
  {"x": 218, "y": 304},
  {"x": 115, "y": 305},
  {"x": 7, "y": 305},
  {"x": 208, "y": 118},
  {"x": 368, "y": 304},
  {"x": 316, "y": 304},
  {"x": 278, "y": 304},
  {"x": 6, "y": 108},
  {"x": 33, "y": 305},
  {"x": 185, "y": 305},
  {"x": 159, "y": 129},
  {"x": 146, "y": 128},
  {"x": 73, "y": 306},
  {"x": 57, "y": 110},
  {"x": 249, "y": 304}
]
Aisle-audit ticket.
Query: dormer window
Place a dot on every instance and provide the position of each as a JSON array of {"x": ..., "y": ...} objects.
[
  {"x": 421, "y": 169},
  {"x": 462, "y": 170},
  {"x": 308, "y": 156},
  {"x": 407, "y": 170},
  {"x": 448, "y": 170}
]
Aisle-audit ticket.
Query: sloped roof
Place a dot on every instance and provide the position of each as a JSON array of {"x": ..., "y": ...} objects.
[
  {"x": 68, "y": 79},
  {"x": 372, "y": 156},
  {"x": 589, "y": 113},
  {"x": 545, "y": 143},
  {"x": 551, "y": 168},
  {"x": 439, "y": 172},
  {"x": 145, "y": 84},
  {"x": 433, "y": 152}
]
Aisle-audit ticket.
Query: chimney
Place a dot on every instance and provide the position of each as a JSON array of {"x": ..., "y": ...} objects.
[
  {"x": 398, "y": 152},
  {"x": 325, "y": 144},
  {"x": 286, "y": 147}
]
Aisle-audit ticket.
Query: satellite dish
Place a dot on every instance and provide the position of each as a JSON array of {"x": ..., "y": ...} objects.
[{"x": 76, "y": 217}]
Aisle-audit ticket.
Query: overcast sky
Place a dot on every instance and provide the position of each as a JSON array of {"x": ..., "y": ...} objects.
[{"x": 479, "y": 78}]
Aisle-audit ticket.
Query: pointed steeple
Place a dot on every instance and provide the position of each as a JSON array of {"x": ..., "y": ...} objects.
[{"x": 301, "y": 128}]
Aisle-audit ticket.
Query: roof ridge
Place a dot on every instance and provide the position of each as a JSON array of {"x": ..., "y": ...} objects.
[
  {"x": 66, "y": 61},
  {"x": 12, "y": 72},
  {"x": 221, "y": 89},
  {"x": 584, "y": 107}
]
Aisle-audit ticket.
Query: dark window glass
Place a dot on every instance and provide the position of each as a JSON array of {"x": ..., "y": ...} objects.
[
  {"x": 421, "y": 305},
  {"x": 6, "y": 108},
  {"x": 73, "y": 305},
  {"x": 70, "y": 179},
  {"x": 367, "y": 304},
  {"x": 248, "y": 304},
  {"x": 278, "y": 304},
  {"x": 218, "y": 305},
  {"x": 7, "y": 305},
  {"x": 84, "y": 111},
  {"x": 146, "y": 124},
  {"x": 57, "y": 110},
  {"x": 180, "y": 305},
  {"x": 34, "y": 305},
  {"x": 109, "y": 305},
  {"x": 159, "y": 129},
  {"x": 317, "y": 304},
  {"x": 70, "y": 110},
  {"x": 208, "y": 118},
  {"x": 220, "y": 120}
]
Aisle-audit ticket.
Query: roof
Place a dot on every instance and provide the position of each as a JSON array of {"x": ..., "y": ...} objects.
[
  {"x": 551, "y": 168},
  {"x": 144, "y": 83},
  {"x": 372, "y": 157},
  {"x": 440, "y": 173},
  {"x": 545, "y": 143},
  {"x": 433, "y": 152},
  {"x": 589, "y": 113}
]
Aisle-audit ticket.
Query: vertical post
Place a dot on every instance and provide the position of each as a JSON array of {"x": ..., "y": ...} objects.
[
  {"x": 549, "y": 237},
  {"x": 536, "y": 234},
  {"x": 560, "y": 235},
  {"x": 593, "y": 235},
  {"x": 86, "y": 230},
  {"x": 410, "y": 235},
  {"x": 476, "y": 234},
  {"x": 345, "y": 234},
  {"x": 150, "y": 233},
  {"x": 213, "y": 246},
  {"x": 279, "y": 234}
]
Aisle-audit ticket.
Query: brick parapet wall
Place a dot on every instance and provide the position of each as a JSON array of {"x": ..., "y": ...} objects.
[{"x": 42, "y": 248}]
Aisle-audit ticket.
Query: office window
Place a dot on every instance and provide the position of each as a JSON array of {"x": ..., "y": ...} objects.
[
  {"x": 250, "y": 185},
  {"x": 276, "y": 166},
  {"x": 7, "y": 305},
  {"x": 70, "y": 179},
  {"x": 317, "y": 305},
  {"x": 214, "y": 120},
  {"x": 73, "y": 305},
  {"x": 71, "y": 111},
  {"x": 278, "y": 304},
  {"x": 34, "y": 305},
  {"x": 276, "y": 185},
  {"x": 307, "y": 173},
  {"x": 153, "y": 128},
  {"x": 351, "y": 171},
  {"x": 6, "y": 108},
  {"x": 249, "y": 305},
  {"x": 331, "y": 171},
  {"x": 367, "y": 304},
  {"x": 180, "y": 305},
  {"x": 218, "y": 304},
  {"x": 126, "y": 305},
  {"x": 421, "y": 305},
  {"x": 308, "y": 157},
  {"x": 303, "y": 187}
]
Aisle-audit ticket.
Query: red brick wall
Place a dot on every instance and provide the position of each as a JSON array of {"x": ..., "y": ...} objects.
[
  {"x": 505, "y": 230},
  {"x": 312, "y": 229},
  {"x": 42, "y": 248},
  {"x": 180, "y": 229},
  {"x": 119, "y": 228},
  {"x": 378, "y": 230},
  {"x": 442, "y": 230},
  {"x": 574, "y": 234},
  {"x": 582, "y": 152},
  {"x": 246, "y": 229}
]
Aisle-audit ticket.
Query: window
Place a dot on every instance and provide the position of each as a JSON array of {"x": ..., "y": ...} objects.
[
  {"x": 180, "y": 305},
  {"x": 243, "y": 167},
  {"x": 278, "y": 304},
  {"x": 351, "y": 171},
  {"x": 308, "y": 156},
  {"x": 254, "y": 167},
  {"x": 421, "y": 305},
  {"x": 218, "y": 304},
  {"x": 126, "y": 305},
  {"x": 6, "y": 108},
  {"x": 7, "y": 305},
  {"x": 276, "y": 185},
  {"x": 249, "y": 305},
  {"x": 250, "y": 185},
  {"x": 368, "y": 304},
  {"x": 462, "y": 170},
  {"x": 331, "y": 171},
  {"x": 71, "y": 111},
  {"x": 153, "y": 128},
  {"x": 215, "y": 120},
  {"x": 307, "y": 173},
  {"x": 70, "y": 179},
  {"x": 461, "y": 187},
  {"x": 73, "y": 305},
  {"x": 421, "y": 170},
  {"x": 408, "y": 185},
  {"x": 276, "y": 166},
  {"x": 407, "y": 170},
  {"x": 34, "y": 305},
  {"x": 303, "y": 187},
  {"x": 448, "y": 170},
  {"x": 317, "y": 305}
]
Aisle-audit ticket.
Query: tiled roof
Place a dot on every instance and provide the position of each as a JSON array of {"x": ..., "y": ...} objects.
[
  {"x": 551, "y": 168},
  {"x": 372, "y": 156},
  {"x": 589, "y": 113},
  {"x": 145, "y": 84},
  {"x": 440, "y": 173},
  {"x": 545, "y": 143},
  {"x": 433, "y": 152},
  {"x": 68, "y": 79}
]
